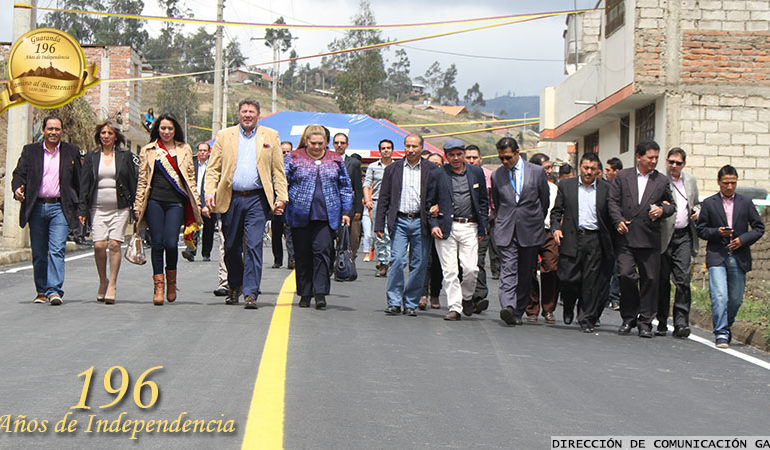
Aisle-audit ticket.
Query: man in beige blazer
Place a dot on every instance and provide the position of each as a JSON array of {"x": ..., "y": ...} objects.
[{"x": 245, "y": 182}]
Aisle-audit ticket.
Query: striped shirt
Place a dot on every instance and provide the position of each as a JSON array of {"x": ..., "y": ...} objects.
[{"x": 410, "y": 189}]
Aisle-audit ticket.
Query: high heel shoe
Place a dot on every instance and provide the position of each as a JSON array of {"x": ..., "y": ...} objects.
[{"x": 110, "y": 299}]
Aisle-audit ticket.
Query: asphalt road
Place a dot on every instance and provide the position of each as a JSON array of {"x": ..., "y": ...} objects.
[{"x": 354, "y": 377}]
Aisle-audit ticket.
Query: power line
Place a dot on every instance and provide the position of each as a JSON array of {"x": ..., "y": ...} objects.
[{"x": 501, "y": 58}]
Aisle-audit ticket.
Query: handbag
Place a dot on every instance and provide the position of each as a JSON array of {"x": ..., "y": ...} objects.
[
  {"x": 344, "y": 266},
  {"x": 135, "y": 250}
]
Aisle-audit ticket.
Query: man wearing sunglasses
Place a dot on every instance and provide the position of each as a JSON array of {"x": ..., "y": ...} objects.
[
  {"x": 520, "y": 196},
  {"x": 678, "y": 245}
]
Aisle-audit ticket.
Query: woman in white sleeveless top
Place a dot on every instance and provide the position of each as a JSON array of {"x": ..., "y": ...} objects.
[{"x": 107, "y": 190}]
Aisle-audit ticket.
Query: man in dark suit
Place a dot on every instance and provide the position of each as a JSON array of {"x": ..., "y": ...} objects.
[
  {"x": 678, "y": 245},
  {"x": 639, "y": 197},
  {"x": 724, "y": 222},
  {"x": 458, "y": 205},
  {"x": 353, "y": 165},
  {"x": 520, "y": 198},
  {"x": 207, "y": 234},
  {"x": 581, "y": 223},
  {"x": 46, "y": 181},
  {"x": 402, "y": 202}
]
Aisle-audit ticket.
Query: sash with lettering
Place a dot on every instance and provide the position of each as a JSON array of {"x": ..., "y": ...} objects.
[{"x": 170, "y": 169}]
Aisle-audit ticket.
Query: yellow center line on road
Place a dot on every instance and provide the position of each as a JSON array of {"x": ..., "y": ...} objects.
[{"x": 264, "y": 425}]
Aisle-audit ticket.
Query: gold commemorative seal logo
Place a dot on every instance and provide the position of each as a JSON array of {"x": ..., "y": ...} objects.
[{"x": 46, "y": 68}]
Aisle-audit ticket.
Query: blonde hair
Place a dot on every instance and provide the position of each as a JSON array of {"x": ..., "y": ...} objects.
[{"x": 311, "y": 130}]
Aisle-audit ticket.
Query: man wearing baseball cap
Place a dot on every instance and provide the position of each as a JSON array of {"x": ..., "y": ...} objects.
[{"x": 458, "y": 206}]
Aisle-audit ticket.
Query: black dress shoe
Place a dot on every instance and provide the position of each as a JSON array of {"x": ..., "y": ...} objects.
[
  {"x": 221, "y": 292},
  {"x": 645, "y": 333},
  {"x": 393, "y": 310},
  {"x": 468, "y": 307},
  {"x": 508, "y": 315},
  {"x": 481, "y": 306},
  {"x": 411, "y": 312},
  {"x": 659, "y": 332},
  {"x": 568, "y": 316},
  {"x": 517, "y": 319},
  {"x": 586, "y": 328},
  {"x": 304, "y": 301},
  {"x": 682, "y": 332},
  {"x": 320, "y": 301},
  {"x": 188, "y": 255},
  {"x": 625, "y": 328}
]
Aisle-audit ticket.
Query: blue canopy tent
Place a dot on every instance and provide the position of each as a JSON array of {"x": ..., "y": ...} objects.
[{"x": 364, "y": 132}]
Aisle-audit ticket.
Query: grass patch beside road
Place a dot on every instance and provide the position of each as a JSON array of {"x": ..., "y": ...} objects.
[{"x": 754, "y": 310}]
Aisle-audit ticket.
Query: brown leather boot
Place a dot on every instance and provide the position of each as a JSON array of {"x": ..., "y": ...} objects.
[
  {"x": 158, "y": 282},
  {"x": 171, "y": 285}
]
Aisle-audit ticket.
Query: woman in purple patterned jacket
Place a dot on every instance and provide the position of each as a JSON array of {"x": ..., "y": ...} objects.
[{"x": 320, "y": 198}]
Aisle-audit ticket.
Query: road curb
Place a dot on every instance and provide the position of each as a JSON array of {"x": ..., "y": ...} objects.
[
  {"x": 746, "y": 332},
  {"x": 10, "y": 256}
]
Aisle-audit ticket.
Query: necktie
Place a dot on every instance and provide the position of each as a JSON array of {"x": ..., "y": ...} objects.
[{"x": 515, "y": 183}]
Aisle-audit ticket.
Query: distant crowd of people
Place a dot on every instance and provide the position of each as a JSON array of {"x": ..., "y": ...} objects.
[{"x": 608, "y": 237}]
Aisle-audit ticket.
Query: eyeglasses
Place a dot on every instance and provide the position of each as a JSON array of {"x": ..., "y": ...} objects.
[
  {"x": 675, "y": 163},
  {"x": 506, "y": 157},
  {"x": 339, "y": 143}
]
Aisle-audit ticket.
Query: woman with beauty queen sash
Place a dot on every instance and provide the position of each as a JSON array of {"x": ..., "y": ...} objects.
[{"x": 167, "y": 199}]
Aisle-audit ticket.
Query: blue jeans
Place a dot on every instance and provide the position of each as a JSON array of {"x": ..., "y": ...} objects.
[
  {"x": 244, "y": 224},
  {"x": 165, "y": 219},
  {"x": 407, "y": 238},
  {"x": 381, "y": 246},
  {"x": 726, "y": 284},
  {"x": 48, "y": 238}
]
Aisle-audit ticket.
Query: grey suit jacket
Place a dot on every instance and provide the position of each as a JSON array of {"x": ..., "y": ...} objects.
[
  {"x": 525, "y": 219},
  {"x": 667, "y": 224}
]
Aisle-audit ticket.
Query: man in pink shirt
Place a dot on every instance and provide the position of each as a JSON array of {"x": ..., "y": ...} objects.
[
  {"x": 46, "y": 181},
  {"x": 730, "y": 223}
]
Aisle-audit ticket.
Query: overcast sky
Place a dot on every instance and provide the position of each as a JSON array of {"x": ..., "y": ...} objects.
[{"x": 540, "y": 39}]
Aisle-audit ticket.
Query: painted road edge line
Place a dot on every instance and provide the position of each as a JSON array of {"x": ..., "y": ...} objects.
[{"x": 264, "y": 424}]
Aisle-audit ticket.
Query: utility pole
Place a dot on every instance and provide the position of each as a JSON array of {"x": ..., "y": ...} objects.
[
  {"x": 224, "y": 93},
  {"x": 19, "y": 134},
  {"x": 216, "y": 123}
]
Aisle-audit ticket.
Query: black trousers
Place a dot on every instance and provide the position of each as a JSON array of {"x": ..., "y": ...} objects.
[
  {"x": 435, "y": 276},
  {"x": 276, "y": 231},
  {"x": 675, "y": 266},
  {"x": 580, "y": 278},
  {"x": 639, "y": 271},
  {"x": 313, "y": 257}
]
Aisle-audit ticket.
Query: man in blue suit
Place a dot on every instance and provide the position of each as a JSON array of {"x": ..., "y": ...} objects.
[
  {"x": 458, "y": 207},
  {"x": 520, "y": 197},
  {"x": 724, "y": 222}
]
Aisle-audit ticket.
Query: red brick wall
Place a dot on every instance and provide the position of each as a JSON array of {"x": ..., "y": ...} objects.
[
  {"x": 726, "y": 57},
  {"x": 648, "y": 49}
]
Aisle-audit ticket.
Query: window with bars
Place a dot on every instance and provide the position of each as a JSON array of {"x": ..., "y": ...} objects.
[
  {"x": 591, "y": 143},
  {"x": 625, "y": 125},
  {"x": 645, "y": 123},
  {"x": 615, "y": 16}
]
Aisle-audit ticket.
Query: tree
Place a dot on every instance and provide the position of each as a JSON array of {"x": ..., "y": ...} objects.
[
  {"x": 361, "y": 73},
  {"x": 399, "y": 82},
  {"x": 447, "y": 93},
  {"x": 287, "y": 79},
  {"x": 279, "y": 38},
  {"x": 89, "y": 29},
  {"x": 178, "y": 96},
  {"x": 235, "y": 58},
  {"x": 198, "y": 54},
  {"x": 432, "y": 78},
  {"x": 474, "y": 97}
]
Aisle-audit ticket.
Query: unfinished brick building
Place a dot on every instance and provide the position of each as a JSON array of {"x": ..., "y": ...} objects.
[{"x": 688, "y": 73}]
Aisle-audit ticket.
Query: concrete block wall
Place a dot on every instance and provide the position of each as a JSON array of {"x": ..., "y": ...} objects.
[{"x": 711, "y": 60}]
